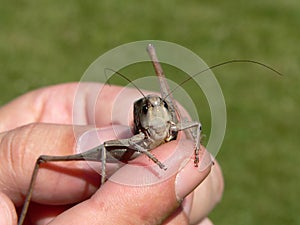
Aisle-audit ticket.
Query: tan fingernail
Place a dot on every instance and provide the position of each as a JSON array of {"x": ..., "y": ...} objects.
[{"x": 190, "y": 176}]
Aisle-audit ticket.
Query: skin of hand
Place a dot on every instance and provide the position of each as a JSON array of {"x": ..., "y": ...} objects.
[{"x": 40, "y": 122}]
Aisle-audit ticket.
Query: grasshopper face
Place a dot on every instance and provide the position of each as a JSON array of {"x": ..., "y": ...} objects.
[{"x": 153, "y": 118}]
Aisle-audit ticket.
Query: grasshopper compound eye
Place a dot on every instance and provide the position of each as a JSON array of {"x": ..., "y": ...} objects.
[
  {"x": 165, "y": 105},
  {"x": 145, "y": 108}
]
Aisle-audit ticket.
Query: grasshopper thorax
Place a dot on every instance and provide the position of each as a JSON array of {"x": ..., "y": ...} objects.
[{"x": 153, "y": 118}]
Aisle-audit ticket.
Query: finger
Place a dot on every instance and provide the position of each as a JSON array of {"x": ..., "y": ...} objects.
[
  {"x": 180, "y": 216},
  {"x": 63, "y": 104},
  {"x": 8, "y": 213},
  {"x": 49, "y": 104},
  {"x": 116, "y": 203},
  {"x": 209, "y": 193},
  {"x": 19, "y": 150},
  {"x": 40, "y": 214},
  {"x": 202, "y": 200},
  {"x": 205, "y": 221}
]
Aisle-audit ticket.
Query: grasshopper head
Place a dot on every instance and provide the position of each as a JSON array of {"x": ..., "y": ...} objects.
[{"x": 152, "y": 116}]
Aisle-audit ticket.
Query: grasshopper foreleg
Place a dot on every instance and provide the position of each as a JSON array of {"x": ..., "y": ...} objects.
[
  {"x": 140, "y": 149},
  {"x": 195, "y": 131},
  {"x": 137, "y": 143}
]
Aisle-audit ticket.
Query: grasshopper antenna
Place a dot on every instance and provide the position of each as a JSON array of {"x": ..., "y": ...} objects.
[
  {"x": 124, "y": 77},
  {"x": 224, "y": 63}
]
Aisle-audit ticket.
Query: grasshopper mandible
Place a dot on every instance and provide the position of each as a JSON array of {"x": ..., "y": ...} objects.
[{"x": 156, "y": 121}]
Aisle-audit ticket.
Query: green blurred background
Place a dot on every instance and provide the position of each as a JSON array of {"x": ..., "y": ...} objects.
[{"x": 49, "y": 42}]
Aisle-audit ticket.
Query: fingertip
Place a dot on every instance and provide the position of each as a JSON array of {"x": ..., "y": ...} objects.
[
  {"x": 190, "y": 176},
  {"x": 207, "y": 195},
  {"x": 206, "y": 221},
  {"x": 8, "y": 213}
]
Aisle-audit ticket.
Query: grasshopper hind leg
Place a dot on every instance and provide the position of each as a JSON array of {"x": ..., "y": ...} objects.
[{"x": 96, "y": 154}]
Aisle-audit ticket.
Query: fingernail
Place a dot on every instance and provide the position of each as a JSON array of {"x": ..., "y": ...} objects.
[
  {"x": 96, "y": 136},
  {"x": 88, "y": 140},
  {"x": 190, "y": 176},
  {"x": 187, "y": 205}
]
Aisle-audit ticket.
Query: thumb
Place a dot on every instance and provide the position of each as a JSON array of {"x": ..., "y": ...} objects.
[
  {"x": 8, "y": 213},
  {"x": 116, "y": 203}
]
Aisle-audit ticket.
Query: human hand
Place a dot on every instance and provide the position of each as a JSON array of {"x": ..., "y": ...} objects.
[{"x": 40, "y": 123}]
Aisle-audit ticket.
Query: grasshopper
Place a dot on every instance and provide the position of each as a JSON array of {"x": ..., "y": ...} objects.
[{"x": 156, "y": 121}]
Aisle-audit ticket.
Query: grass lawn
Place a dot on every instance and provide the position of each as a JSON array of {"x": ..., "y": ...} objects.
[{"x": 49, "y": 42}]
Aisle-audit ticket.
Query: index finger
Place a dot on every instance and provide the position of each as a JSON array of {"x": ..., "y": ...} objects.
[{"x": 57, "y": 104}]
